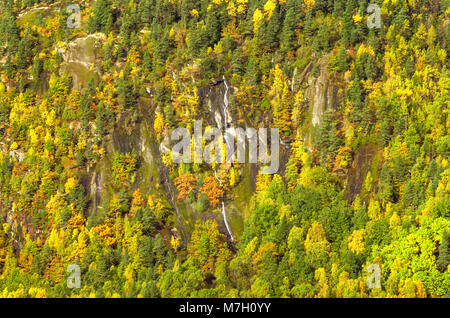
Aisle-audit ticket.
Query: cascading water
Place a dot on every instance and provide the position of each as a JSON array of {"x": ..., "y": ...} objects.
[
  {"x": 225, "y": 124},
  {"x": 225, "y": 103},
  {"x": 224, "y": 213}
]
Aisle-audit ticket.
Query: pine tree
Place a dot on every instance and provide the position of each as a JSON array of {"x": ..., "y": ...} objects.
[
  {"x": 409, "y": 197},
  {"x": 9, "y": 66},
  {"x": 308, "y": 28},
  {"x": 288, "y": 36},
  {"x": 252, "y": 73},
  {"x": 323, "y": 38},
  {"x": 102, "y": 270},
  {"x": 104, "y": 118},
  {"x": 371, "y": 70},
  {"x": 162, "y": 49},
  {"x": 11, "y": 30},
  {"x": 386, "y": 186},
  {"x": 270, "y": 36},
  {"x": 338, "y": 9},
  {"x": 126, "y": 91},
  {"x": 102, "y": 19},
  {"x": 24, "y": 51},
  {"x": 355, "y": 97},
  {"x": 198, "y": 39},
  {"x": 146, "y": 11},
  {"x": 186, "y": 7},
  {"x": 146, "y": 252},
  {"x": 38, "y": 67},
  {"x": 238, "y": 61},
  {"x": 443, "y": 260},
  {"x": 347, "y": 28},
  {"x": 341, "y": 61},
  {"x": 327, "y": 139},
  {"x": 213, "y": 28},
  {"x": 291, "y": 174},
  {"x": 85, "y": 103}
]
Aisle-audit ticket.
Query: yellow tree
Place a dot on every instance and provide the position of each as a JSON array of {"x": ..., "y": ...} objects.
[
  {"x": 281, "y": 99},
  {"x": 185, "y": 184},
  {"x": 212, "y": 190},
  {"x": 206, "y": 244},
  {"x": 137, "y": 202}
]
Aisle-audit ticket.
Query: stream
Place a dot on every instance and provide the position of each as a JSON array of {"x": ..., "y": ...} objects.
[{"x": 225, "y": 124}]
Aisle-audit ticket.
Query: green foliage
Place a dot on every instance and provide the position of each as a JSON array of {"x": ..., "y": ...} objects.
[{"x": 83, "y": 180}]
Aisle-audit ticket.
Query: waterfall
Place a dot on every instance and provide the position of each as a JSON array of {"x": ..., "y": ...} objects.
[
  {"x": 224, "y": 214},
  {"x": 225, "y": 122},
  {"x": 225, "y": 103}
]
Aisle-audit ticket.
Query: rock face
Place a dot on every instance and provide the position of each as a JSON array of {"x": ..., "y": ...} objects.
[
  {"x": 212, "y": 101},
  {"x": 19, "y": 155},
  {"x": 80, "y": 57},
  {"x": 321, "y": 92},
  {"x": 152, "y": 175},
  {"x": 356, "y": 175}
]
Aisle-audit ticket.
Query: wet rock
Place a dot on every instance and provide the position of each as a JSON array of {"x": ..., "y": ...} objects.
[
  {"x": 80, "y": 58},
  {"x": 321, "y": 91}
]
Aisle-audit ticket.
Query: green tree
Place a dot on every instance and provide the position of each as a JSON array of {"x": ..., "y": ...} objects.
[
  {"x": 443, "y": 260},
  {"x": 102, "y": 18},
  {"x": 288, "y": 37}
]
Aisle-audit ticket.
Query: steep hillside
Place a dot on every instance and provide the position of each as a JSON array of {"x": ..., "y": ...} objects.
[{"x": 92, "y": 92}]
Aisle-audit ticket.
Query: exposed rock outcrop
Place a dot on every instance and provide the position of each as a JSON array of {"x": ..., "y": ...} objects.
[
  {"x": 80, "y": 57},
  {"x": 321, "y": 91}
]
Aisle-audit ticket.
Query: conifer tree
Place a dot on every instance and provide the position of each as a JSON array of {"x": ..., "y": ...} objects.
[
  {"x": 386, "y": 186},
  {"x": 443, "y": 260},
  {"x": 270, "y": 36},
  {"x": 288, "y": 37},
  {"x": 101, "y": 21}
]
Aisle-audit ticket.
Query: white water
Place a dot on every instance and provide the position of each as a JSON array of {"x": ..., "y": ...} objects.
[
  {"x": 225, "y": 103},
  {"x": 225, "y": 120},
  {"x": 224, "y": 214}
]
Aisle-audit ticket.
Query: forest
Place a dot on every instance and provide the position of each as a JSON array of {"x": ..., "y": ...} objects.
[{"x": 92, "y": 207}]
